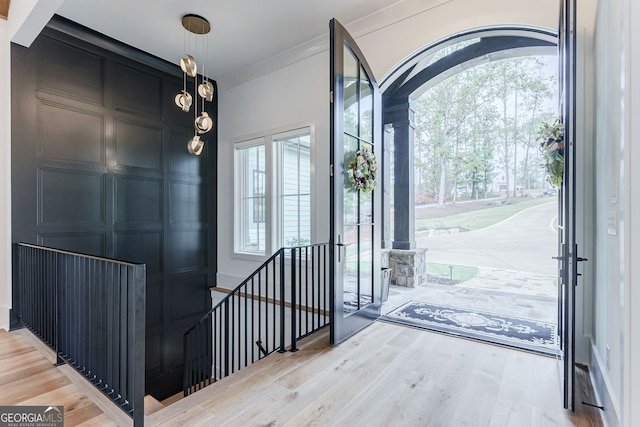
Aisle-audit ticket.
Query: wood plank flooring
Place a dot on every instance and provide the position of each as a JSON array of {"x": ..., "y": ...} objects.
[
  {"x": 27, "y": 377},
  {"x": 387, "y": 375}
]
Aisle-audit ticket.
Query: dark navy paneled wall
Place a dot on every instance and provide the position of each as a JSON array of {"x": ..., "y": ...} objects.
[{"x": 100, "y": 166}]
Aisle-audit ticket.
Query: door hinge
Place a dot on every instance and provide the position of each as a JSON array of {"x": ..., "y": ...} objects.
[
  {"x": 331, "y": 169},
  {"x": 331, "y": 97}
]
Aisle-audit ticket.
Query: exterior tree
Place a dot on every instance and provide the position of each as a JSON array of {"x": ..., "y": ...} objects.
[{"x": 480, "y": 119}]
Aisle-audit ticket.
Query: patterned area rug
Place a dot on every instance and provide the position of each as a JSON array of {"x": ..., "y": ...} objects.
[{"x": 511, "y": 331}]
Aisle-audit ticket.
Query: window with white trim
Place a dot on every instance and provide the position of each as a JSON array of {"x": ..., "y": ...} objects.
[
  {"x": 293, "y": 178},
  {"x": 251, "y": 204},
  {"x": 273, "y": 192}
]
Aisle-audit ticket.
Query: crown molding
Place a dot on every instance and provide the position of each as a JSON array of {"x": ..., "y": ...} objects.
[{"x": 382, "y": 18}]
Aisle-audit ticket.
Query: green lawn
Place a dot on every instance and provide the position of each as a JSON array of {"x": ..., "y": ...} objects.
[
  {"x": 460, "y": 273},
  {"x": 478, "y": 219}
]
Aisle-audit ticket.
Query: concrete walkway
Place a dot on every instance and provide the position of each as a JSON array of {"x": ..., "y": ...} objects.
[
  {"x": 526, "y": 241},
  {"x": 505, "y": 292}
]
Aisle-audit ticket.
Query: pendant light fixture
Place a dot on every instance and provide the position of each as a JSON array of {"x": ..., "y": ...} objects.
[{"x": 204, "y": 91}]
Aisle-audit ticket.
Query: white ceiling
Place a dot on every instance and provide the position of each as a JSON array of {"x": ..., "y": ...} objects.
[{"x": 244, "y": 32}]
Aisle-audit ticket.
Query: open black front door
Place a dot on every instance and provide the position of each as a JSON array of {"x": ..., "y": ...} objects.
[
  {"x": 568, "y": 250},
  {"x": 354, "y": 234}
]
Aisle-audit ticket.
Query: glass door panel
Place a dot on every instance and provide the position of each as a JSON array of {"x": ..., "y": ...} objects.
[
  {"x": 365, "y": 266},
  {"x": 355, "y": 118},
  {"x": 366, "y": 107}
]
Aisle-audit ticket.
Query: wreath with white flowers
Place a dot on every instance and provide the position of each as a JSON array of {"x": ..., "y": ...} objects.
[
  {"x": 361, "y": 170},
  {"x": 551, "y": 139}
]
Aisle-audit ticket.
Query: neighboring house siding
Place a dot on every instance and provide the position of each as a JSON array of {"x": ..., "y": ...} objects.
[{"x": 296, "y": 196}]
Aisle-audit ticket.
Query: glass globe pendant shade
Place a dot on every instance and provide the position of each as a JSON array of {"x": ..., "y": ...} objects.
[
  {"x": 184, "y": 100},
  {"x": 188, "y": 66},
  {"x": 205, "y": 90},
  {"x": 203, "y": 123},
  {"x": 195, "y": 145}
]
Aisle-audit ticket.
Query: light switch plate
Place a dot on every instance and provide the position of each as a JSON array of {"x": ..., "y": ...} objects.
[{"x": 612, "y": 223}]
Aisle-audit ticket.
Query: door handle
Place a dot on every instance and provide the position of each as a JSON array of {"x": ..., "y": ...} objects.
[
  {"x": 340, "y": 245},
  {"x": 559, "y": 258}
]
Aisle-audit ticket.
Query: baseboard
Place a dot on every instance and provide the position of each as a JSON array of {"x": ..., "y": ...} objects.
[
  {"x": 602, "y": 387},
  {"x": 96, "y": 396},
  {"x": 229, "y": 281}
]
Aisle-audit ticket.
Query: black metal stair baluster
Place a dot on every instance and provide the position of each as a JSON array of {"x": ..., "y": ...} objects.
[
  {"x": 298, "y": 298},
  {"x": 215, "y": 346},
  {"x": 293, "y": 300},
  {"x": 273, "y": 273},
  {"x": 274, "y": 312},
  {"x": 206, "y": 354},
  {"x": 314, "y": 249},
  {"x": 194, "y": 358},
  {"x": 306, "y": 290},
  {"x": 34, "y": 301},
  {"x": 116, "y": 329},
  {"x": 266, "y": 310},
  {"x": 202, "y": 344},
  {"x": 282, "y": 303},
  {"x": 185, "y": 374},
  {"x": 209, "y": 350},
  {"x": 101, "y": 326},
  {"x": 108, "y": 309},
  {"x": 247, "y": 343},
  {"x": 239, "y": 330},
  {"x": 124, "y": 295},
  {"x": 232, "y": 333},
  {"x": 91, "y": 289},
  {"x": 324, "y": 283},
  {"x": 253, "y": 334},
  {"x": 226, "y": 338},
  {"x": 260, "y": 311},
  {"x": 191, "y": 373},
  {"x": 221, "y": 372}
]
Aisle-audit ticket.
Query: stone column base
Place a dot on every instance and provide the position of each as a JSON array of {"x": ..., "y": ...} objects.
[{"x": 408, "y": 267}]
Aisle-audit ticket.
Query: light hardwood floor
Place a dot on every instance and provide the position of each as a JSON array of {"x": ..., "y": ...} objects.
[
  {"x": 28, "y": 377},
  {"x": 387, "y": 375}
]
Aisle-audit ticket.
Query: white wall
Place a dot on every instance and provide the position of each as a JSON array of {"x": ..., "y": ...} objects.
[
  {"x": 294, "y": 95},
  {"x": 615, "y": 341},
  {"x": 631, "y": 412},
  {"x": 5, "y": 176},
  {"x": 607, "y": 338}
]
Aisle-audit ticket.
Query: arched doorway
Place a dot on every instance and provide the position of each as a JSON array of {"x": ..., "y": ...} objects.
[{"x": 495, "y": 283}]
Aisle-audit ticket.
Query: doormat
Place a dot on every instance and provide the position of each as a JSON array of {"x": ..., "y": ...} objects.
[{"x": 525, "y": 334}]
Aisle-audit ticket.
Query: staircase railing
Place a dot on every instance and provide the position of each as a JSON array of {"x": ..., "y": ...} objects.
[
  {"x": 283, "y": 301},
  {"x": 91, "y": 312}
]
